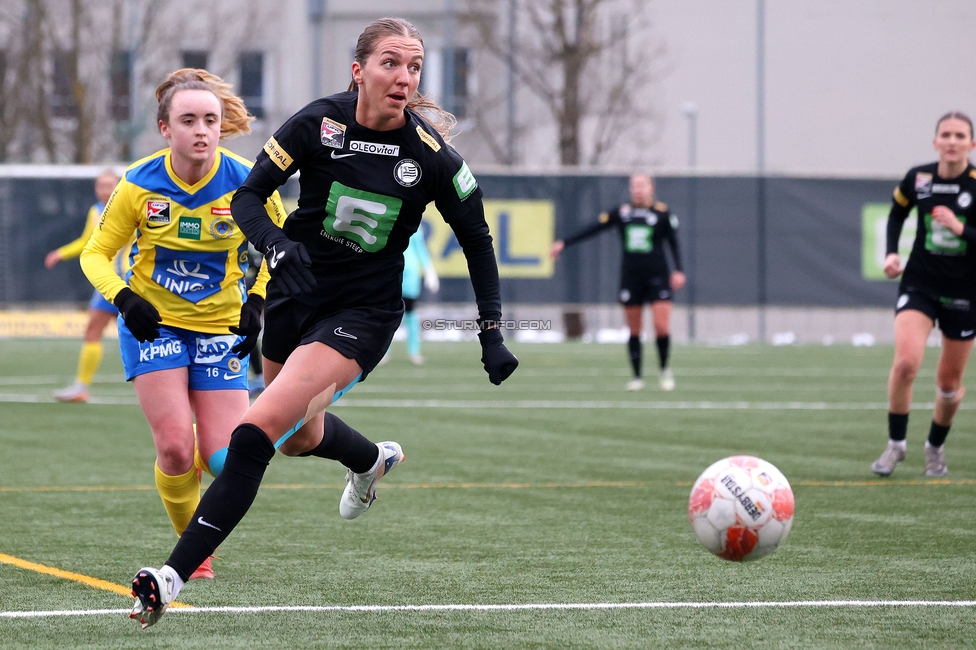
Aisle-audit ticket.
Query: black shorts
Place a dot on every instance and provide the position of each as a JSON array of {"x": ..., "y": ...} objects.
[
  {"x": 640, "y": 289},
  {"x": 955, "y": 316},
  {"x": 363, "y": 334}
]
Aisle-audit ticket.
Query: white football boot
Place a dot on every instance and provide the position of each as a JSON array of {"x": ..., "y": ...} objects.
[
  {"x": 154, "y": 590},
  {"x": 890, "y": 457},
  {"x": 360, "y": 490}
]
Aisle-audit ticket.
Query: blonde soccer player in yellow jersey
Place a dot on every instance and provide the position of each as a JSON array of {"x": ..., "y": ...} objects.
[
  {"x": 186, "y": 324},
  {"x": 100, "y": 311}
]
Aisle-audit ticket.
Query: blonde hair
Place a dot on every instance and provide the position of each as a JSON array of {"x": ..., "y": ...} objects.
[
  {"x": 235, "y": 120},
  {"x": 442, "y": 121}
]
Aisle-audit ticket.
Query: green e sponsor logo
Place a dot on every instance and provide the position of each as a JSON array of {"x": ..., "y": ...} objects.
[
  {"x": 190, "y": 228},
  {"x": 939, "y": 239},
  {"x": 639, "y": 238},
  {"x": 464, "y": 182},
  {"x": 361, "y": 217}
]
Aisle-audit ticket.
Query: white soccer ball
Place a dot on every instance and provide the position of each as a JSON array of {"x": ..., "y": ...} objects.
[{"x": 741, "y": 508}]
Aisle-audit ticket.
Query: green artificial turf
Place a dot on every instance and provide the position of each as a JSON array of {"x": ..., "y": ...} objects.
[{"x": 558, "y": 487}]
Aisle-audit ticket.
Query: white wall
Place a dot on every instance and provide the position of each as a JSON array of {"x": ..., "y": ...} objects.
[{"x": 852, "y": 86}]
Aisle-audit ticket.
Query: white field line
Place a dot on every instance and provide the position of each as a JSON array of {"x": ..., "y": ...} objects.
[
  {"x": 540, "y": 404},
  {"x": 510, "y": 608}
]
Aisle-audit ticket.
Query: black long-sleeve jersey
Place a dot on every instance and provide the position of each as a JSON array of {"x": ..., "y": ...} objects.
[
  {"x": 643, "y": 231},
  {"x": 941, "y": 264},
  {"x": 362, "y": 194}
]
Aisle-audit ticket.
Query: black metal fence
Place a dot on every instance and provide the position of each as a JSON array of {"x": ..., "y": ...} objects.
[{"x": 744, "y": 240}]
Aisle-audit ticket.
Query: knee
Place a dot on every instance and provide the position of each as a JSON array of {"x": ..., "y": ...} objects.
[
  {"x": 904, "y": 371},
  {"x": 174, "y": 458},
  {"x": 947, "y": 388},
  {"x": 291, "y": 448}
]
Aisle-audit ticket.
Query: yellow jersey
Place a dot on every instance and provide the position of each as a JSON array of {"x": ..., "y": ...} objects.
[{"x": 189, "y": 257}]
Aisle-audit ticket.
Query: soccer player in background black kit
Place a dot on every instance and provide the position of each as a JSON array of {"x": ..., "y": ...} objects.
[
  {"x": 369, "y": 166},
  {"x": 644, "y": 226},
  {"x": 938, "y": 286}
]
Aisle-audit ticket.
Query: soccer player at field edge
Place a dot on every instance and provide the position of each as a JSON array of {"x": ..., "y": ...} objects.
[
  {"x": 418, "y": 271},
  {"x": 100, "y": 311},
  {"x": 938, "y": 286},
  {"x": 186, "y": 324},
  {"x": 370, "y": 163},
  {"x": 644, "y": 225}
]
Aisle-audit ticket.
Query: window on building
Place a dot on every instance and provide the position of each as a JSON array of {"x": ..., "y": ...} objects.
[
  {"x": 194, "y": 59},
  {"x": 120, "y": 79},
  {"x": 3, "y": 81},
  {"x": 63, "y": 103},
  {"x": 251, "y": 83},
  {"x": 462, "y": 76}
]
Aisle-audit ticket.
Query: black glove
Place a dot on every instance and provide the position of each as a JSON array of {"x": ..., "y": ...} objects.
[
  {"x": 289, "y": 261},
  {"x": 139, "y": 315},
  {"x": 250, "y": 325},
  {"x": 499, "y": 362}
]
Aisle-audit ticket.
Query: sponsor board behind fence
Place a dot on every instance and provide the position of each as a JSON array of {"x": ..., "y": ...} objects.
[
  {"x": 46, "y": 324},
  {"x": 522, "y": 232},
  {"x": 874, "y": 235}
]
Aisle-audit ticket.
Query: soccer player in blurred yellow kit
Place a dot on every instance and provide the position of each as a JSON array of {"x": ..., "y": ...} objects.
[{"x": 186, "y": 323}]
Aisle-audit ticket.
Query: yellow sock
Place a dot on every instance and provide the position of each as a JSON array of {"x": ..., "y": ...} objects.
[
  {"x": 198, "y": 461},
  {"x": 180, "y": 495},
  {"x": 91, "y": 356}
]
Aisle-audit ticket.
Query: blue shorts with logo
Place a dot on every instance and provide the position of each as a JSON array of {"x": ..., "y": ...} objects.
[
  {"x": 207, "y": 357},
  {"x": 98, "y": 302}
]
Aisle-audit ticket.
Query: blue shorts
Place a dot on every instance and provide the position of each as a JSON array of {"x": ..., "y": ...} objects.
[
  {"x": 207, "y": 357},
  {"x": 98, "y": 302}
]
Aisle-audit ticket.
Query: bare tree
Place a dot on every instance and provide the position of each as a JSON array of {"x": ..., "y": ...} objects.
[
  {"x": 590, "y": 62},
  {"x": 77, "y": 123}
]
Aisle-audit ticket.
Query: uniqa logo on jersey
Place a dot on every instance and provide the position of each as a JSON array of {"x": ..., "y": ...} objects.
[{"x": 191, "y": 275}]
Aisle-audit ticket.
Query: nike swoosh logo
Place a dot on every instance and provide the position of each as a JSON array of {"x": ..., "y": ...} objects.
[
  {"x": 966, "y": 332},
  {"x": 341, "y": 155},
  {"x": 203, "y": 523},
  {"x": 228, "y": 377},
  {"x": 275, "y": 258},
  {"x": 338, "y": 332}
]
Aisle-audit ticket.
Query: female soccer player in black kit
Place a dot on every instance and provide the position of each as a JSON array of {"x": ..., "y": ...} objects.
[
  {"x": 644, "y": 225},
  {"x": 369, "y": 166},
  {"x": 938, "y": 286}
]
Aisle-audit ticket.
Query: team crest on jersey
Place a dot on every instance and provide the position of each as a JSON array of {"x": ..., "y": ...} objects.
[
  {"x": 157, "y": 213},
  {"x": 234, "y": 364},
  {"x": 221, "y": 228},
  {"x": 407, "y": 172},
  {"x": 625, "y": 211},
  {"x": 965, "y": 200},
  {"x": 333, "y": 133}
]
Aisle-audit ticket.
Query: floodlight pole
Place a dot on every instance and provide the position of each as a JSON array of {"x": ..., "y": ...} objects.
[
  {"x": 448, "y": 83},
  {"x": 761, "y": 296},
  {"x": 690, "y": 109},
  {"x": 510, "y": 74},
  {"x": 316, "y": 18}
]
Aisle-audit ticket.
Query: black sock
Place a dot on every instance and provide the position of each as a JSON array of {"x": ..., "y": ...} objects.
[
  {"x": 226, "y": 501},
  {"x": 897, "y": 426},
  {"x": 634, "y": 347},
  {"x": 663, "y": 347},
  {"x": 938, "y": 434},
  {"x": 343, "y": 443}
]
